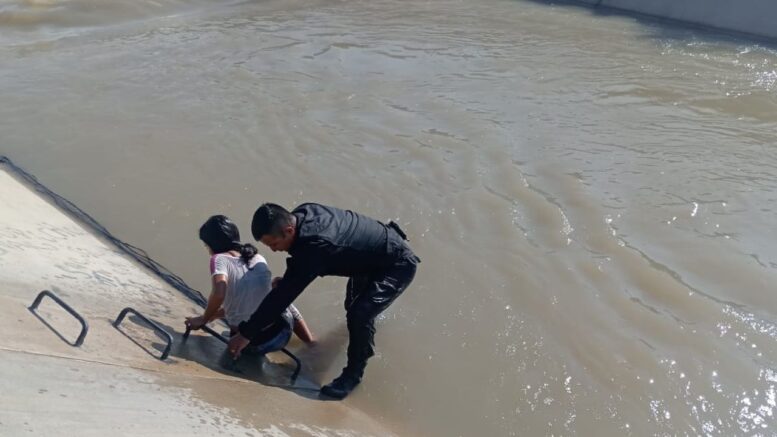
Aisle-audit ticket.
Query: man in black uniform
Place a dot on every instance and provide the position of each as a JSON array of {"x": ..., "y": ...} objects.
[{"x": 325, "y": 241}]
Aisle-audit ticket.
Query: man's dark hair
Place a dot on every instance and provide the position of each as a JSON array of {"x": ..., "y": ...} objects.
[{"x": 270, "y": 219}]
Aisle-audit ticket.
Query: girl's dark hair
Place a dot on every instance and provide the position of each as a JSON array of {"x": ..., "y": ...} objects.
[{"x": 222, "y": 235}]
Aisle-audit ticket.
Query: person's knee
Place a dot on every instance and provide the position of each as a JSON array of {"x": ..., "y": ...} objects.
[
  {"x": 356, "y": 318},
  {"x": 354, "y": 288}
]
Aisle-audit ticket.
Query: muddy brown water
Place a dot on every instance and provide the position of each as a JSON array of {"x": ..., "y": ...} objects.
[{"x": 593, "y": 196}]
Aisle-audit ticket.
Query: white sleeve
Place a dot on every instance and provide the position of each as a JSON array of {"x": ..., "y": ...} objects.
[
  {"x": 218, "y": 265},
  {"x": 295, "y": 314}
]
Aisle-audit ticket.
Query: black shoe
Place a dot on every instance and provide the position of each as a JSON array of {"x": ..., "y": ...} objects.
[{"x": 341, "y": 386}]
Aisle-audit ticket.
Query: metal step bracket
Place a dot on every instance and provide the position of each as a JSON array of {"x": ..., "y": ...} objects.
[
  {"x": 150, "y": 323},
  {"x": 84, "y": 325}
]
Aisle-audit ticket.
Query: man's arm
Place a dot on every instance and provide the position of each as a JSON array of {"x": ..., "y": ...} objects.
[{"x": 299, "y": 274}]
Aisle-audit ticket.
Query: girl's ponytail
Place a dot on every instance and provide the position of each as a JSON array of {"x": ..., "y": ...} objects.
[{"x": 247, "y": 251}]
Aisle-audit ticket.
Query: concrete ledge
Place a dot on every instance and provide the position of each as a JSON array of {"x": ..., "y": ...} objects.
[{"x": 754, "y": 17}]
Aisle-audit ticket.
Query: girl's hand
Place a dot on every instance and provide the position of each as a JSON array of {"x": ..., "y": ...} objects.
[
  {"x": 237, "y": 344},
  {"x": 195, "y": 323}
]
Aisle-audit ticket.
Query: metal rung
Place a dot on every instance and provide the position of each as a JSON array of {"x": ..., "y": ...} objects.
[
  {"x": 226, "y": 341},
  {"x": 209, "y": 331},
  {"x": 296, "y": 360},
  {"x": 55, "y": 298},
  {"x": 151, "y": 323}
]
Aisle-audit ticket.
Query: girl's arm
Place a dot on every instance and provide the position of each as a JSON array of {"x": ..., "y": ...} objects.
[
  {"x": 300, "y": 327},
  {"x": 213, "y": 310},
  {"x": 219, "y": 289}
]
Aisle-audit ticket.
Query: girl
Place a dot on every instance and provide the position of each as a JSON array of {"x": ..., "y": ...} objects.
[{"x": 241, "y": 280}]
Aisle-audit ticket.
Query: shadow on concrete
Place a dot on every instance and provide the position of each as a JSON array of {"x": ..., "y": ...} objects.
[
  {"x": 272, "y": 370},
  {"x": 667, "y": 28},
  {"x": 138, "y": 325},
  {"x": 52, "y": 328},
  {"x": 33, "y": 308}
]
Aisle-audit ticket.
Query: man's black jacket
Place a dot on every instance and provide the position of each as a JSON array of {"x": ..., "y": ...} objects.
[{"x": 329, "y": 241}]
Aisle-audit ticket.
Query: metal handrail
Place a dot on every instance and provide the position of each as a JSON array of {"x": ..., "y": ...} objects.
[
  {"x": 151, "y": 323},
  {"x": 68, "y": 308}
]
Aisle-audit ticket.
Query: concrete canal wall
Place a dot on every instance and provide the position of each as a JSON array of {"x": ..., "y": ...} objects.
[{"x": 755, "y": 17}]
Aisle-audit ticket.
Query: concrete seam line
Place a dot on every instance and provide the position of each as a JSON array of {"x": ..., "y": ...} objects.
[{"x": 126, "y": 366}]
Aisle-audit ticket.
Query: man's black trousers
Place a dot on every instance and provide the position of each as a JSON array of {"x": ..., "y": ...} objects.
[{"x": 367, "y": 297}]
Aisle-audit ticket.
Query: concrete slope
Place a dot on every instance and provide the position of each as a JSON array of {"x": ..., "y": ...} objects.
[
  {"x": 114, "y": 383},
  {"x": 754, "y": 17}
]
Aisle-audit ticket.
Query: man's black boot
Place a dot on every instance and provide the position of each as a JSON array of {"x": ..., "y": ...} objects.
[{"x": 342, "y": 385}]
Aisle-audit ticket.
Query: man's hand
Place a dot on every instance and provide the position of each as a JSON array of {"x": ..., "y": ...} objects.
[
  {"x": 237, "y": 344},
  {"x": 195, "y": 323},
  {"x": 275, "y": 281}
]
